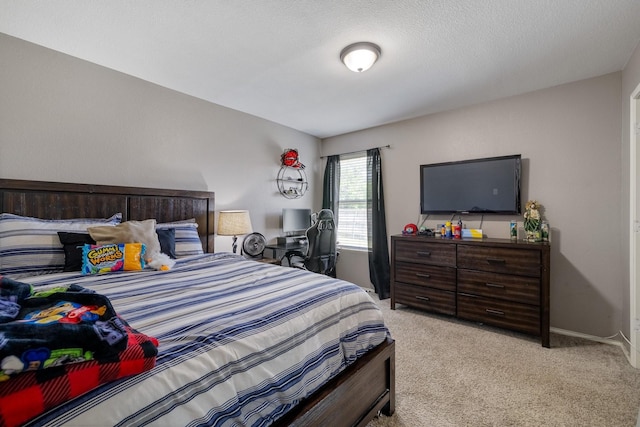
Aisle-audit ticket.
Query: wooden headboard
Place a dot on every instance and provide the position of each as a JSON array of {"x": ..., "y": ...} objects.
[{"x": 56, "y": 200}]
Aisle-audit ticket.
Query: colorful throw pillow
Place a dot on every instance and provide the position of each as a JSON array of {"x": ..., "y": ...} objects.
[
  {"x": 74, "y": 244},
  {"x": 112, "y": 257},
  {"x": 186, "y": 237},
  {"x": 31, "y": 245},
  {"x": 129, "y": 232}
]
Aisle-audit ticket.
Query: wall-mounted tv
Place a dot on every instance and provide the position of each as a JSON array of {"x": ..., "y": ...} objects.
[{"x": 484, "y": 186}]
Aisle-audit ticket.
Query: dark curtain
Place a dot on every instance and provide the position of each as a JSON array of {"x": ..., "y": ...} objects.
[
  {"x": 331, "y": 186},
  {"x": 379, "y": 270},
  {"x": 331, "y": 191}
]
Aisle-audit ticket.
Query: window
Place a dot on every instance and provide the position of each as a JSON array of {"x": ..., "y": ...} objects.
[{"x": 352, "y": 202}]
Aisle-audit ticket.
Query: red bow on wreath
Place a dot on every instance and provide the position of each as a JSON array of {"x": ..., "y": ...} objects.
[{"x": 290, "y": 158}]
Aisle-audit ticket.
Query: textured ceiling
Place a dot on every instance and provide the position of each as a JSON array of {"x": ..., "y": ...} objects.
[{"x": 279, "y": 59}]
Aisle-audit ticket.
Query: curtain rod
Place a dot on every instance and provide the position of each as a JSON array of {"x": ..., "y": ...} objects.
[{"x": 358, "y": 151}]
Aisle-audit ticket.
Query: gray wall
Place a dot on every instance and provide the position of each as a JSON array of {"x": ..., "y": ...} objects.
[
  {"x": 64, "y": 119},
  {"x": 570, "y": 139}
]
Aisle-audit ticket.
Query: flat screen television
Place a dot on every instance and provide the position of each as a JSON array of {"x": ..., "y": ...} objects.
[
  {"x": 295, "y": 221},
  {"x": 484, "y": 186}
]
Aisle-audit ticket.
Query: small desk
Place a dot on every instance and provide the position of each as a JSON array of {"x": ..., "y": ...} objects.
[{"x": 275, "y": 248}]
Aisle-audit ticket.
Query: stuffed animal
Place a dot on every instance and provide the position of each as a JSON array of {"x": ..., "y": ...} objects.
[{"x": 161, "y": 262}]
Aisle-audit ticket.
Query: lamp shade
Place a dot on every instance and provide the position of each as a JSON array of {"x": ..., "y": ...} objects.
[
  {"x": 359, "y": 57},
  {"x": 233, "y": 223}
]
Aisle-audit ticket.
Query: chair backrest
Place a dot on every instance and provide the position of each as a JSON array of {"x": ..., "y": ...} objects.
[{"x": 321, "y": 237}]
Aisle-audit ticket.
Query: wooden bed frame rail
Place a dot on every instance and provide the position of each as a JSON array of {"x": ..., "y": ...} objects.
[{"x": 353, "y": 399}]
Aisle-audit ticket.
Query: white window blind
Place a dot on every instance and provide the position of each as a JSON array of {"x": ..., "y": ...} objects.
[{"x": 352, "y": 202}]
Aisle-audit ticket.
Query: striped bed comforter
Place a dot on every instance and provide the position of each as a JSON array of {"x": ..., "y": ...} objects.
[{"x": 241, "y": 342}]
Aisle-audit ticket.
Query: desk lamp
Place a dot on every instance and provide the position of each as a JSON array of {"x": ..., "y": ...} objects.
[{"x": 233, "y": 223}]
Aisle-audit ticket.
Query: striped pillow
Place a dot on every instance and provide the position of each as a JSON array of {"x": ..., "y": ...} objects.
[
  {"x": 32, "y": 246},
  {"x": 187, "y": 239}
]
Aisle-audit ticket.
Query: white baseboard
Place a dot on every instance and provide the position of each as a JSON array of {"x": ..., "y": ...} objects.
[{"x": 595, "y": 338}]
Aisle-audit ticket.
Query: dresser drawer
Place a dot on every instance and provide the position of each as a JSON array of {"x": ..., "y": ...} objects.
[
  {"x": 499, "y": 260},
  {"x": 434, "y": 300},
  {"x": 504, "y": 314},
  {"x": 494, "y": 285},
  {"x": 425, "y": 253},
  {"x": 434, "y": 276}
]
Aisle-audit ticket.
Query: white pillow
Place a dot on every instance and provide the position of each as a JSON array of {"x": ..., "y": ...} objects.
[
  {"x": 32, "y": 246},
  {"x": 187, "y": 239}
]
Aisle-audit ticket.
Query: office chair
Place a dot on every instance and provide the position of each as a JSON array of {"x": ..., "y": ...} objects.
[{"x": 321, "y": 254}]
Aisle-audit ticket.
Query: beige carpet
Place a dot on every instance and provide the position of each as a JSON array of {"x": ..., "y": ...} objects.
[{"x": 455, "y": 373}]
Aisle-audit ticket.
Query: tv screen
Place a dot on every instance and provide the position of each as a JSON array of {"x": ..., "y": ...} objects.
[
  {"x": 486, "y": 186},
  {"x": 295, "y": 221}
]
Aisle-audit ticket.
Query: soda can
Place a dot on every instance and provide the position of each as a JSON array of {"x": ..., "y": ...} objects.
[{"x": 513, "y": 230}]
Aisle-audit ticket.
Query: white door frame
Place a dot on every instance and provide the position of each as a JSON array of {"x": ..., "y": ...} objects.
[{"x": 634, "y": 284}]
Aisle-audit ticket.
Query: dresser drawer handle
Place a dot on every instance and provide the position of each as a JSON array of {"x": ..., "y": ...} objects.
[
  {"x": 496, "y": 261},
  {"x": 464, "y": 294},
  {"x": 494, "y": 285},
  {"x": 423, "y": 275},
  {"x": 423, "y": 253},
  {"x": 423, "y": 298},
  {"x": 496, "y": 312}
]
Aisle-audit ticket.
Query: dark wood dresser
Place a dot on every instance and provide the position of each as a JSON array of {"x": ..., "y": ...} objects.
[{"x": 498, "y": 282}]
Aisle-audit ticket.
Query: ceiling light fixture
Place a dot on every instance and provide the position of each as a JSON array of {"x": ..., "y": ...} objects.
[{"x": 359, "y": 57}]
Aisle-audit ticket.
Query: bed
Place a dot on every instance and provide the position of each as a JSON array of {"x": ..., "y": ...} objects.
[{"x": 213, "y": 314}]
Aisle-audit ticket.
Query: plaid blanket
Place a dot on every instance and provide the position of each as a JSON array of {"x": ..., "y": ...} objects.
[{"x": 59, "y": 343}]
